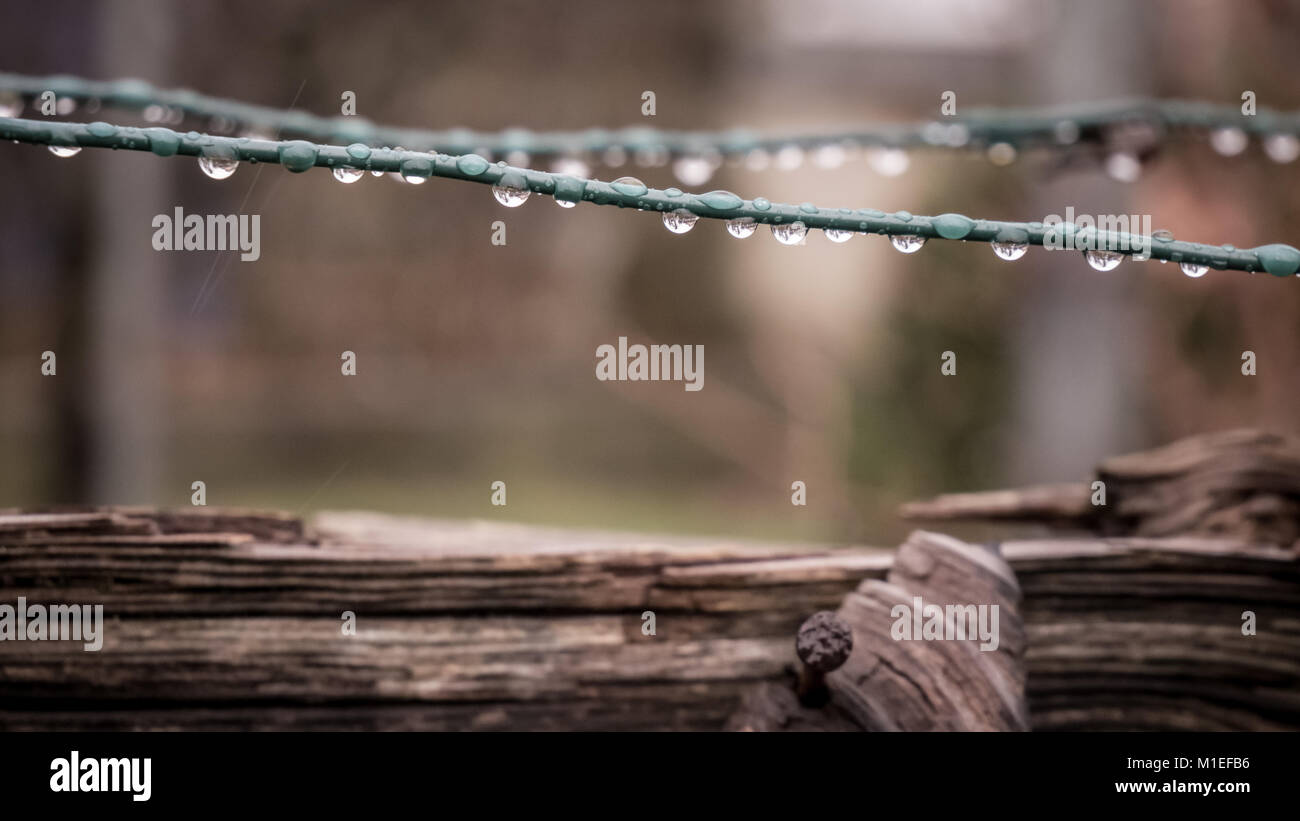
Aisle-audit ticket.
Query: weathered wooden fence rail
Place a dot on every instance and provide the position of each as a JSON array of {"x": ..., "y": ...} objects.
[{"x": 232, "y": 620}]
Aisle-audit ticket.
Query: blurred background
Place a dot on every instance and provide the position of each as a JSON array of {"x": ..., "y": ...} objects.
[{"x": 476, "y": 362}]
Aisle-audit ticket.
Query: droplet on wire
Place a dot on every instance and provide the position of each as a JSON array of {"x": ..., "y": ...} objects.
[
  {"x": 629, "y": 186},
  {"x": 1193, "y": 269},
  {"x": 1282, "y": 148},
  {"x": 1001, "y": 154},
  {"x": 888, "y": 162},
  {"x": 1229, "y": 142},
  {"x": 680, "y": 221},
  {"x": 343, "y": 173},
  {"x": 566, "y": 203},
  {"x": 791, "y": 233},
  {"x": 1103, "y": 260},
  {"x": 742, "y": 227},
  {"x": 218, "y": 168},
  {"x": 510, "y": 196},
  {"x": 11, "y": 105},
  {"x": 907, "y": 243},
  {"x": 571, "y": 166},
  {"x": 758, "y": 160},
  {"x": 416, "y": 179},
  {"x": 789, "y": 158},
  {"x": 1066, "y": 132},
  {"x": 1123, "y": 166},
  {"x": 693, "y": 170},
  {"x": 829, "y": 156},
  {"x": 1010, "y": 251},
  {"x": 837, "y": 234},
  {"x": 65, "y": 150}
]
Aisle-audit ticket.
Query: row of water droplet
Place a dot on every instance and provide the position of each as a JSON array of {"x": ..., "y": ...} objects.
[{"x": 678, "y": 221}]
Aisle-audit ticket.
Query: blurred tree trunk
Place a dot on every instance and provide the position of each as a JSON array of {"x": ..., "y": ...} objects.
[
  {"x": 1078, "y": 338},
  {"x": 124, "y": 312}
]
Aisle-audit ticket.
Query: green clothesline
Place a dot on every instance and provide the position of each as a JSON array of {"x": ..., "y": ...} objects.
[
  {"x": 975, "y": 128},
  {"x": 680, "y": 210}
]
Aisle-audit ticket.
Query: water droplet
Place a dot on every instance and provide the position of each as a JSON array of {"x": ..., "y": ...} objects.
[
  {"x": 416, "y": 179},
  {"x": 953, "y": 226},
  {"x": 1229, "y": 141},
  {"x": 218, "y": 168},
  {"x": 154, "y": 113},
  {"x": 680, "y": 221},
  {"x": 721, "y": 200},
  {"x": 511, "y": 196},
  {"x": 742, "y": 227},
  {"x": 572, "y": 166},
  {"x": 1163, "y": 235},
  {"x": 1010, "y": 251},
  {"x": 471, "y": 164},
  {"x": 566, "y": 203},
  {"x": 693, "y": 170},
  {"x": 65, "y": 106},
  {"x": 1067, "y": 132},
  {"x": 629, "y": 186},
  {"x": 1123, "y": 166},
  {"x": 1103, "y": 260},
  {"x": 758, "y": 160},
  {"x": 1193, "y": 270},
  {"x": 1002, "y": 153},
  {"x": 65, "y": 150},
  {"x": 792, "y": 233},
  {"x": 907, "y": 243},
  {"x": 344, "y": 174},
  {"x": 789, "y": 158},
  {"x": 837, "y": 235},
  {"x": 11, "y": 105},
  {"x": 888, "y": 162},
  {"x": 1283, "y": 148},
  {"x": 829, "y": 156},
  {"x": 762, "y": 203},
  {"x": 376, "y": 173}
]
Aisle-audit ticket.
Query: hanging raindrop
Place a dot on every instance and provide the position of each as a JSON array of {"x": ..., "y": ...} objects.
[
  {"x": 1103, "y": 260},
  {"x": 11, "y": 105},
  {"x": 790, "y": 233},
  {"x": 829, "y": 156},
  {"x": 571, "y": 166},
  {"x": 1229, "y": 141},
  {"x": 416, "y": 179},
  {"x": 566, "y": 203},
  {"x": 1002, "y": 153},
  {"x": 1193, "y": 269},
  {"x": 907, "y": 243},
  {"x": 1282, "y": 148},
  {"x": 1010, "y": 251},
  {"x": 837, "y": 235},
  {"x": 680, "y": 221},
  {"x": 742, "y": 227},
  {"x": 1123, "y": 166},
  {"x": 65, "y": 150},
  {"x": 510, "y": 196},
  {"x": 344, "y": 174},
  {"x": 888, "y": 162},
  {"x": 789, "y": 158},
  {"x": 693, "y": 170}
]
